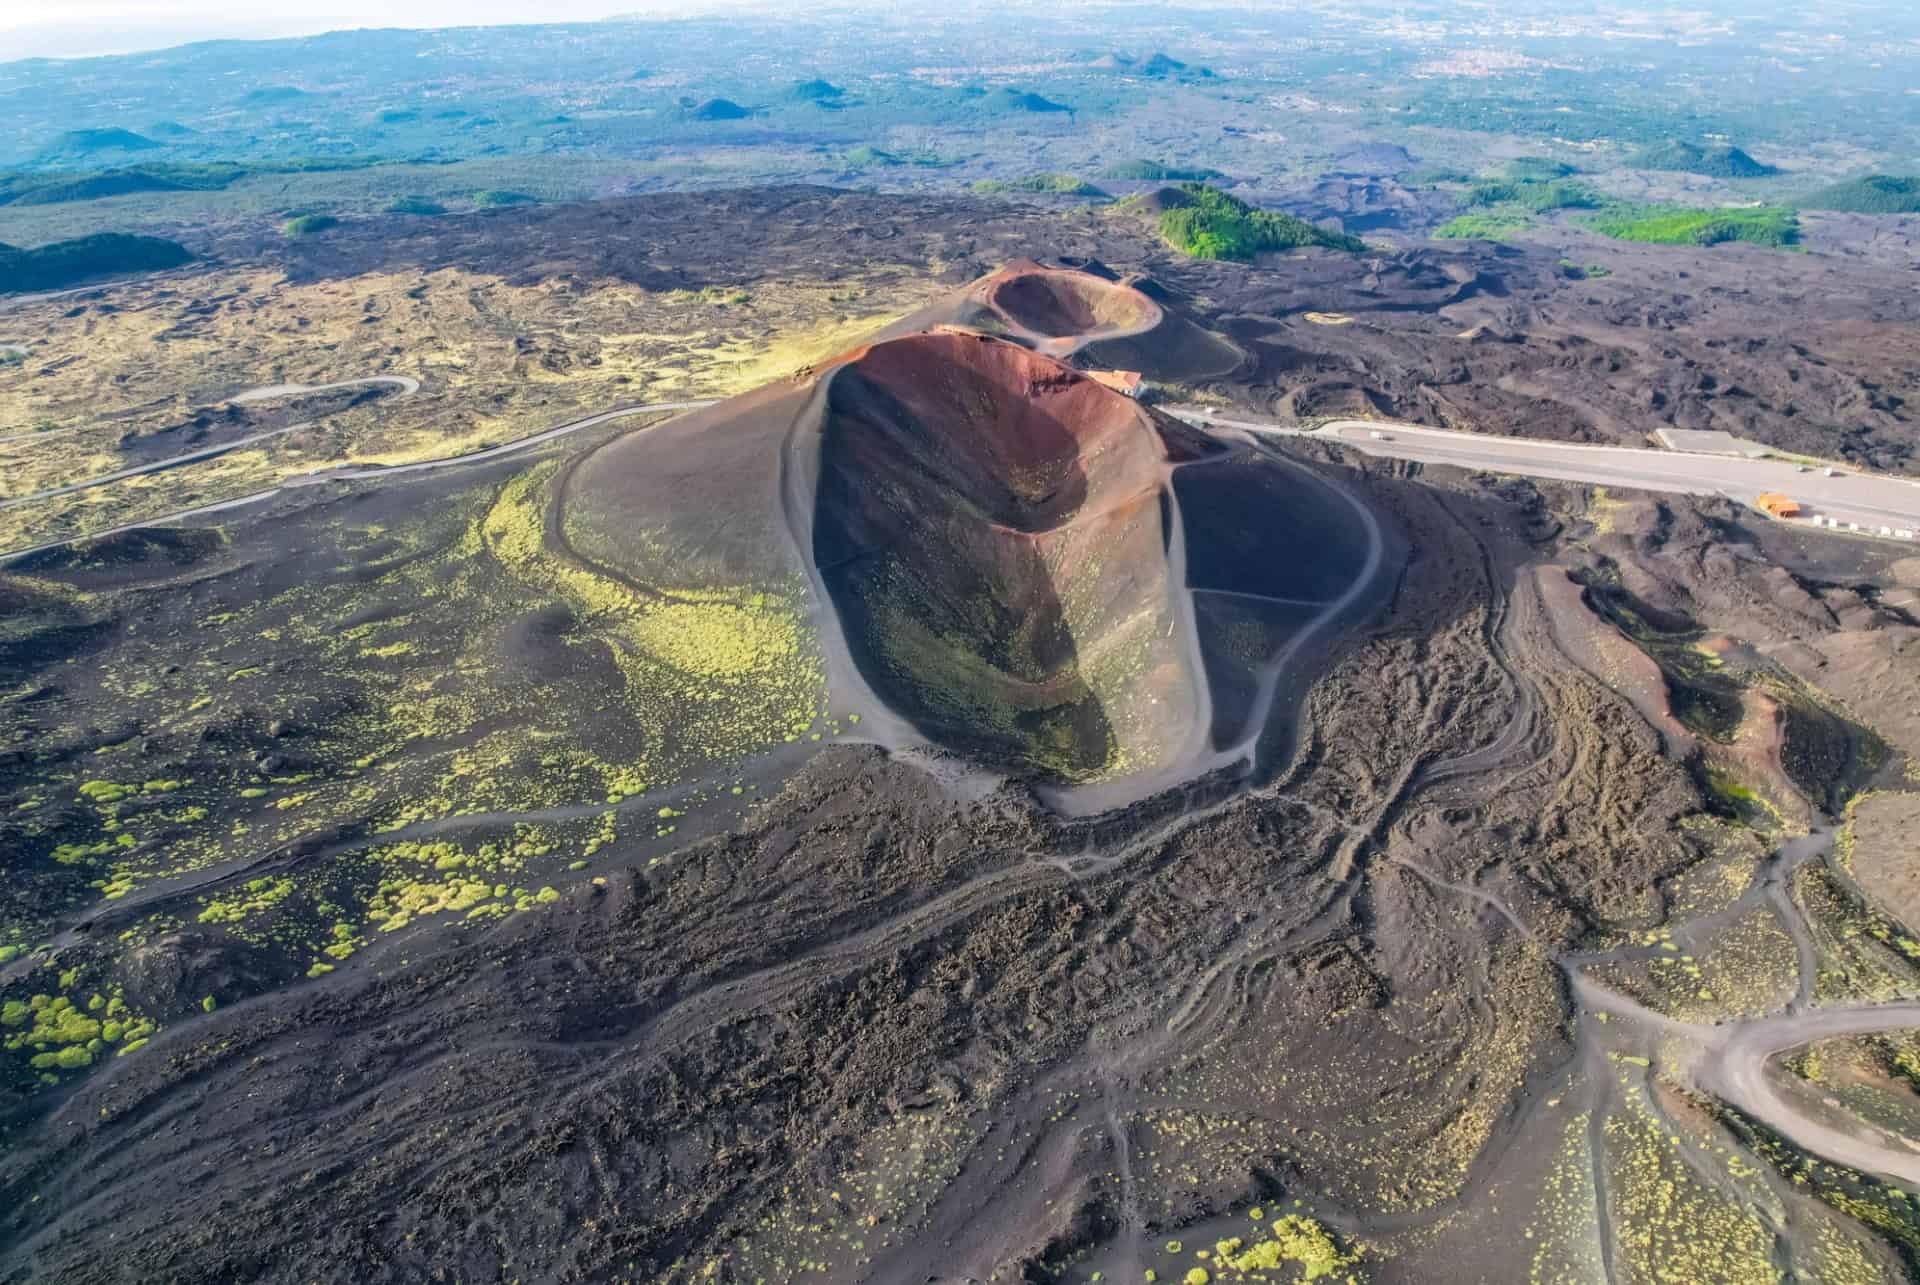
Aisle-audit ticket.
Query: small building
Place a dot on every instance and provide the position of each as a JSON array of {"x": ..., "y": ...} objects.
[
  {"x": 1127, "y": 382},
  {"x": 1777, "y": 505}
]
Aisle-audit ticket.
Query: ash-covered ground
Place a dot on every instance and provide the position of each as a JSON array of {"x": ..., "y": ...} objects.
[{"x": 462, "y": 876}]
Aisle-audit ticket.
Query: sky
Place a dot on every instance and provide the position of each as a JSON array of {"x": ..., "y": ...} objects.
[{"x": 79, "y": 28}]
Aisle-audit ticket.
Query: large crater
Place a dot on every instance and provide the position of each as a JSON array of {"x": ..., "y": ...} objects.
[
  {"x": 993, "y": 529},
  {"x": 1071, "y": 305}
]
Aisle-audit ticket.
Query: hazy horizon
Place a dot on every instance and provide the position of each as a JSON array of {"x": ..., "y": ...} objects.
[{"x": 102, "y": 28}]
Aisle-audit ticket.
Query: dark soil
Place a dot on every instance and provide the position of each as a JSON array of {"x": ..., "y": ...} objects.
[{"x": 880, "y": 1014}]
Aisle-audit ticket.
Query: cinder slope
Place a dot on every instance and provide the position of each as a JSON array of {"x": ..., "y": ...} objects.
[{"x": 993, "y": 529}]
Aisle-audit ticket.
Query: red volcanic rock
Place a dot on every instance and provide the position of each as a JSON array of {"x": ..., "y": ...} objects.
[{"x": 992, "y": 527}]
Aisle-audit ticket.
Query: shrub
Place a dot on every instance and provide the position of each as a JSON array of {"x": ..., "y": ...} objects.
[{"x": 308, "y": 224}]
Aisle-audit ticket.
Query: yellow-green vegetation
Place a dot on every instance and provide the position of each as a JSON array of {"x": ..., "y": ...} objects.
[
  {"x": 1295, "y": 1240},
  {"x": 1864, "y": 955},
  {"x": 717, "y": 672},
  {"x": 1567, "y": 1222},
  {"x": 58, "y": 1034},
  {"x": 441, "y": 878},
  {"x": 876, "y": 1202},
  {"x": 1864, "y": 1201},
  {"x": 255, "y": 897},
  {"x": 1670, "y": 1226},
  {"x": 1873, "y": 1078},
  {"x": 1411, "y": 1149},
  {"x": 576, "y": 352},
  {"x": 1746, "y": 969},
  {"x": 434, "y": 728}
]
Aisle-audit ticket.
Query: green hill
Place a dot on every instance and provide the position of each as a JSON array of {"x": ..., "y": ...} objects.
[
  {"x": 1213, "y": 225},
  {"x": 87, "y": 142},
  {"x": 1679, "y": 225},
  {"x": 1874, "y": 194},
  {"x": 1721, "y": 161},
  {"x": 273, "y": 95},
  {"x": 64, "y": 263},
  {"x": 815, "y": 91},
  {"x": 1155, "y": 172},
  {"x": 1050, "y": 184},
  {"x": 55, "y": 187},
  {"x": 1557, "y": 194},
  {"x": 1025, "y": 101},
  {"x": 1537, "y": 169},
  {"x": 866, "y": 157},
  {"x": 1483, "y": 227},
  {"x": 720, "y": 109},
  {"x": 497, "y": 200}
]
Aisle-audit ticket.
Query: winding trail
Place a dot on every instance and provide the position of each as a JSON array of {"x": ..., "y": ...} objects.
[
  {"x": 349, "y": 474},
  {"x": 1736, "y": 1072},
  {"x": 407, "y": 385},
  {"x": 1730, "y": 1059},
  {"x": 157, "y": 466}
]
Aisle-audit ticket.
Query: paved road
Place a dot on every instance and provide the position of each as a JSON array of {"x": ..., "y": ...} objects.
[
  {"x": 351, "y": 474},
  {"x": 1871, "y": 500}
]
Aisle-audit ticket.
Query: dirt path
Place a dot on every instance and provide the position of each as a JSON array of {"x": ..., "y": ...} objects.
[
  {"x": 348, "y": 474},
  {"x": 407, "y": 385},
  {"x": 158, "y": 466},
  {"x": 1736, "y": 1071}
]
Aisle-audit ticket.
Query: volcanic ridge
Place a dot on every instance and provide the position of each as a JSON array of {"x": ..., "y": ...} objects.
[{"x": 997, "y": 558}]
